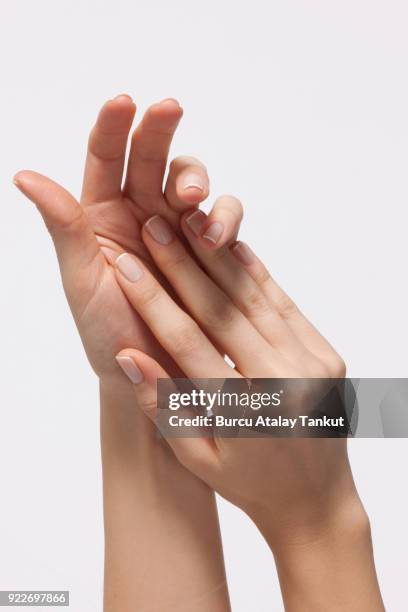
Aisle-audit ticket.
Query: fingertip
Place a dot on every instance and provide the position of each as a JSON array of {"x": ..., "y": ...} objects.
[
  {"x": 213, "y": 236},
  {"x": 123, "y": 97},
  {"x": 243, "y": 253},
  {"x": 230, "y": 203},
  {"x": 191, "y": 196},
  {"x": 166, "y": 114},
  {"x": 117, "y": 114},
  {"x": 122, "y": 102},
  {"x": 146, "y": 368},
  {"x": 129, "y": 366},
  {"x": 127, "y": 352},
  {"x": 24, "y": 179},
  {"x": 223, "y": 222},
  {"x": 18, "y": 178},
  {"x": 170, "y": 102},
  {"x": 192, "y": 188},
  {"x": 193, "y": 222}
]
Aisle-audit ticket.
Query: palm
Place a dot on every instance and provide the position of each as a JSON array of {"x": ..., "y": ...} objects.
[
  {"x": 109, "y": 222},
  {"x": 107, "y": 322}
]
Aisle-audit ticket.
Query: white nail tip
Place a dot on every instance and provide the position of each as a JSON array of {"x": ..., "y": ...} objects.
[
  {"x": 193, "y": 186},
  {"x": 210, "y": 238}
]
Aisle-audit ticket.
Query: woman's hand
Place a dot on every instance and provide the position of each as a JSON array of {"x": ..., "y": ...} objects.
[
  {"x": 300, "y": 492},
  {"x": 144, "y": 485},
  {"x": 240, "y": 315},
  {"x": 108, "y": 220}
]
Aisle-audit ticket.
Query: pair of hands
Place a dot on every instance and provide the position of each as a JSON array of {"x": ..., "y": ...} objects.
[{"x": 135, "y": 259}]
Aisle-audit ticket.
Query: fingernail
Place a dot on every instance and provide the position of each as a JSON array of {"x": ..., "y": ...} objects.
[
  {"x": 245, "y": 255},
  {"x": 16, "y": 182},
  {"x": 193, "y": 181},
  {"x": 159, "y": 230},
  {"x": 128, "y": 266},
  {"x": 196, "y": 222},
  {"x": 213, "y": 233},
  {"x": 131, "y": 370},
  {"x": 170, "y": 100},
  {"x": 123, "y": 96}
]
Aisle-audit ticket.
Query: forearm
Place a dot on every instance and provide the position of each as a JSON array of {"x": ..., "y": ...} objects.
[{"x": 163, "y": 548}]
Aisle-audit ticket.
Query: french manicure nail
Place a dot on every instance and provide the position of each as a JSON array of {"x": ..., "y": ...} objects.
[
  {"x": 196, "y": 221},
  {"x": 128, "y": 266},
  {"x": 245, "y": 255},
  {"x": 193, "y": 181},
  {"x": 159, "y": 230},
  {"x": 131, "y": 370},
  {"x": 213, "y": 233}
]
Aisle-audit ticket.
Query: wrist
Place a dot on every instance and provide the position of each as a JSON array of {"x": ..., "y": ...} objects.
[
  {"x": 156, "y": 514},
  {"x": 305, "y": 521},
  {"x": 330, "y": 566}
]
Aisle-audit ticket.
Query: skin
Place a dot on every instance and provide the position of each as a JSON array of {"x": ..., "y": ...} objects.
[
  {"x": 308, "y": 509},
  {"x": 157, "y": 513},
  {"x": 321, "y": 542}
]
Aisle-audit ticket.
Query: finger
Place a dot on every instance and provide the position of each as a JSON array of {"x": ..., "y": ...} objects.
[
  {"x": 107, "y": 150},
  {"x": 187, "y": 184},
  {"x": 65, "y": 219},
  {"x": 222, "y": 224},
  {"x": 148, "y": 154},
  {"x": 220, "y": 319},
  {"x": 290, "y": 313},
  {"x": 198, "y": 454},
  {"x": 242, "y": 289},
  {"x": 177, "y": 333}
]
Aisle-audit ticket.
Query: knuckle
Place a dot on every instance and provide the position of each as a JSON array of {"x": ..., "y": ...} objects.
[
  {"x": 255, "y": 304},
  {"x": 220, "y": 315},
  {"x": 185, "y": 340},
  {"x": 148, "y": 294},
  {"x": 318, "y": 370},
  {"x": 217, "y": 255},
  {"x": 285, "y": 305},
  {"x": 173, "y": 262},
  {"x": 263, "y": 277},
  {"x": 337, "y": 367}
]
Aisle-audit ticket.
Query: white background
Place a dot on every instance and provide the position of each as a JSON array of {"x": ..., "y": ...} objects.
[{"x": 300, "y": 109}]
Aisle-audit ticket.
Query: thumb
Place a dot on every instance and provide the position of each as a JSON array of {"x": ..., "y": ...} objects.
[
  {"x": 197, "y": 454},
  {"x": 65, "y": 219}
]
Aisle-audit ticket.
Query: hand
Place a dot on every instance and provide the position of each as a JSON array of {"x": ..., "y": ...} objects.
[
  {"x": 138, "y": 469},
  {"x": 308, "y": 509},
  {"x": 239, "y": 309},
  {"x": 107, "y": 222}
]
